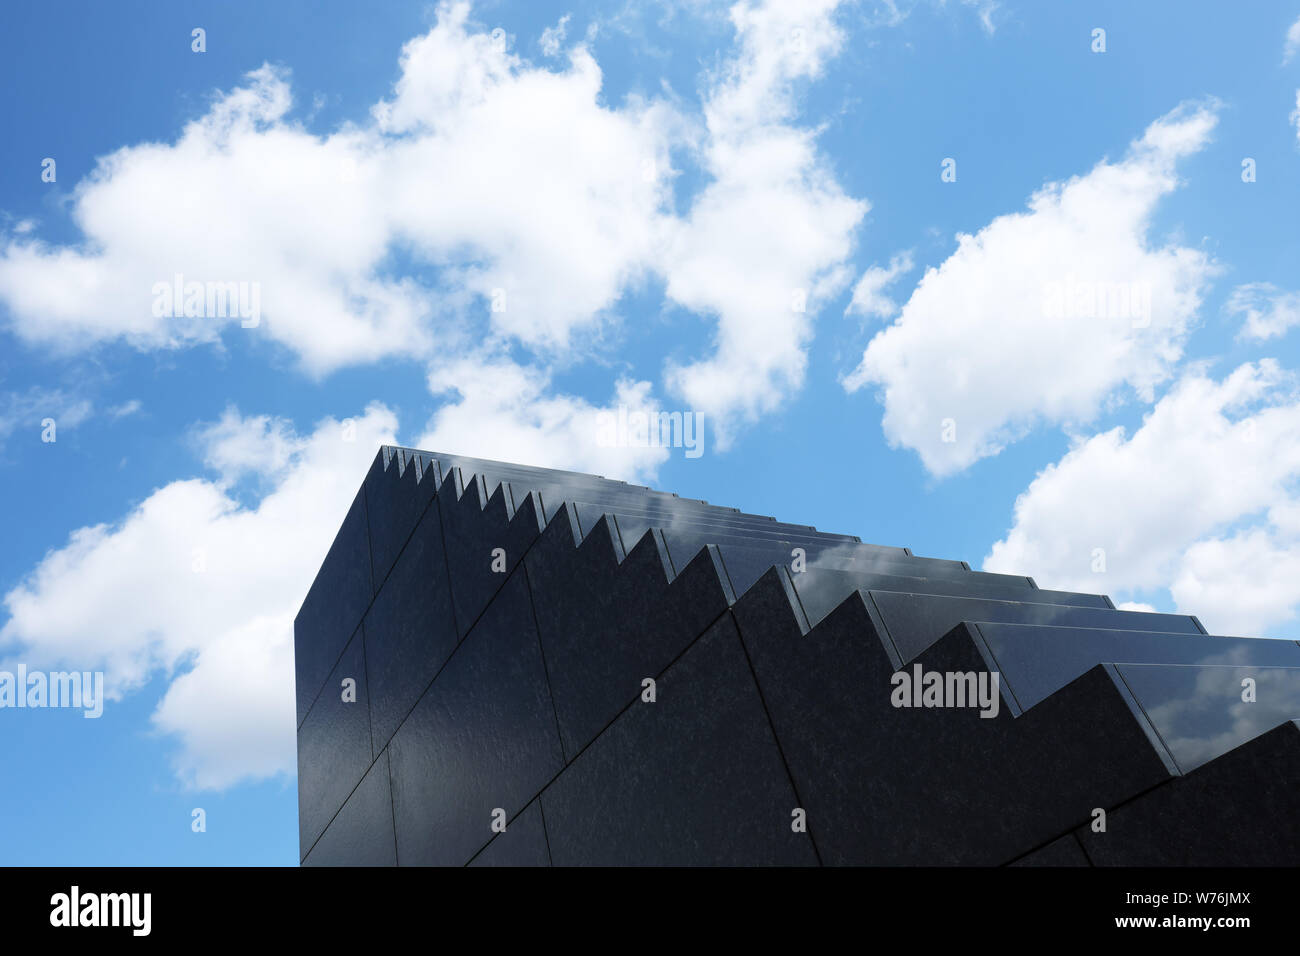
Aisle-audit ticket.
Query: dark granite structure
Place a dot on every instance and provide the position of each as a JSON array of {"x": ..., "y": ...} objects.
[{"x": 504, "y": 665}]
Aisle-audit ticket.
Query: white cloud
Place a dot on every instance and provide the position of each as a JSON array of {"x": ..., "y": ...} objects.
[
  {"x": 1245, "y": 583},
  {"x": 1292, "y": 46},
  {"x": 985, "y": 9},
  {"x": 236, "y": 445},
  {"x": 125, "y": 410},
  {"x": 1200, "y": 500},
  {"x": 1295, "y": 117},
  {"x": 869, "y": 294},
  {"x": 232, "y": 712},
  {"x": 473, "y": 167},
  {"x": 552, "y": 38},
  {"x": 27, "y": 410},
  {"x": 765, "y": 243},
  {"x": 504, "y": 159},
  {"x": 1269, "y": 312},
  {"x": 505, "y": 412},
  {"x": 1135, "y": 606},
  {"x": 241, "y": 196},
  {"x": 128, "y": 599},
  {"x": 1043, "y": 315},
  {"x": 481, "y": 180}
]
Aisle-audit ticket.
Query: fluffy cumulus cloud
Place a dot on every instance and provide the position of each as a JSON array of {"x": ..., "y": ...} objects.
[
  {"x": 1201, "y": 500},
  {"x": 1291, "y": 46},
  {"x": 203, "y": 590},
  {"x": 465, "y": 168},
  {"x": 484, "y": 191},
  {"x": 1244, "y": 583},
  {"x": 561, "y": 199},
  {"x": 1044, "y": 315},
  {"x": 242, "y": 196},
  {"x": 504, "y": 411},
  {"x": 764, "y": 245},
  {"x": 238, "y": 445}
]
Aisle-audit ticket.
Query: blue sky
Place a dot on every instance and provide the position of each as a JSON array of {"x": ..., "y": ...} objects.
[{"x": 648, "y": 190}]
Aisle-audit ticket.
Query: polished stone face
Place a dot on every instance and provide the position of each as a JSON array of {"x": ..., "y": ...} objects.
[
  {"x": 511, "y": 666},
  {"x": 334, "y": 605}
]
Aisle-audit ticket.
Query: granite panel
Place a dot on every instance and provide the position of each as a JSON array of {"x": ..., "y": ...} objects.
[
  {"x": 605, "y": 626},
  {"x": 1035, "y": 661},
  {"x": 362, "y": 833},
  {"x": 333, "y": 607},
  {"x": 1064, "y": 851},
  {"x": 915, "y": 621},
  {"x": 395, "y": 501},
  {"x": 482, "y": 739},
  {"x": 933, "y": 785},
  {"x": 522, "y": 844},
  {"x": 694, "y": 778},
  {"x": 1237, "y": 810},
  {"x": 821, "y": 591},
  {"x": 334, "y": 749},
  {"x": 410, "y": 629},
  {"x": 473, "y": 528},
  {"x": 1203, "y": 711}
]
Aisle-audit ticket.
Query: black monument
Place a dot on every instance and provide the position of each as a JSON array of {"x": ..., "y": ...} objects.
[{"x": 500, "y": 664}]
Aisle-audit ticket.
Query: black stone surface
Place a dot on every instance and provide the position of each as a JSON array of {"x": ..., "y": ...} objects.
[
  {"x": 777, "y": 655},
  {"x": 1201, "y": 712},
  {"x": 912, "y": 622},
  {"x": 472, "y": 530},
  {"x": 482, "y": 738},
  {"x": 410, "y": 629},
  {"x": 333, "y": 746},
  {"x": 1064, "y": 851},
  {"x": 522, "y": 844},
  {"x": 605, "y": 627},
  {"x": 395, "y": 500},
  {"x": 821, "y": 590},
  {"x": 333, "y": 606},
  {"x": 1238, "y": 810},
  {"x": 931, "y": 785},
  {"x": 362, "y": 833},
  {"x": 693, "y": 777},
  {"x": 1036, "y": 661}
]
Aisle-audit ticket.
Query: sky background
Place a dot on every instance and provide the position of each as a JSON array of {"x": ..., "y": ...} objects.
[{"x": 649, "y": 191}]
